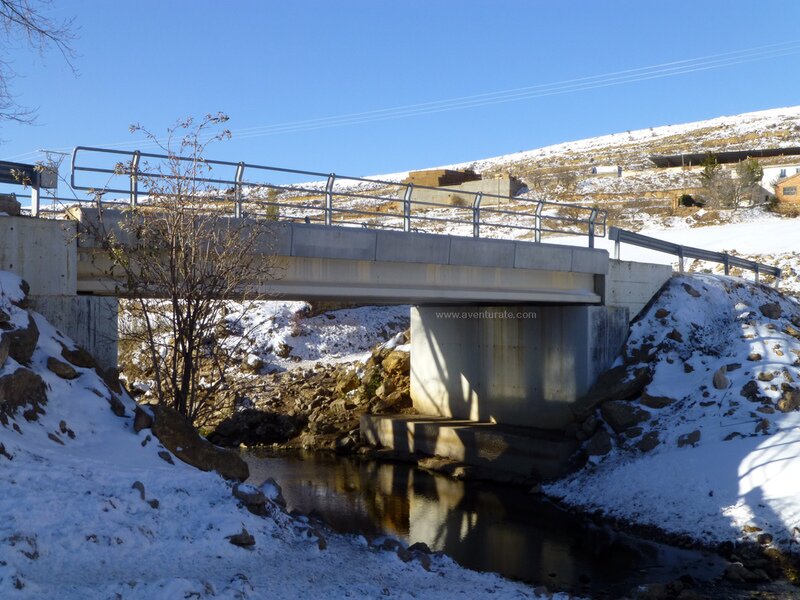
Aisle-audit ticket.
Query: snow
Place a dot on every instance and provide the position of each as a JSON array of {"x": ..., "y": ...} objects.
[
  {"x": 743, "y": 475},
  {"x": 74, "y": 526}
]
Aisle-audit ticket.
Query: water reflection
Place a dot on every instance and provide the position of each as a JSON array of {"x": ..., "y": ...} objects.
[{"x": 483, "y": 527}]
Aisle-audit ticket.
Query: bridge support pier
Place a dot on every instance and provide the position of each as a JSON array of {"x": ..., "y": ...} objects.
[{"x": 514, "y": 365}]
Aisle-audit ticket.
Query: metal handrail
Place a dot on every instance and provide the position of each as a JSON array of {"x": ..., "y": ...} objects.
[
  {"x": 619, "y": 236},
  {"x": 482, "y": 219}
]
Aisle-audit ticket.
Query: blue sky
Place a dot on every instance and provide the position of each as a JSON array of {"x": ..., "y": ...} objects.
[{"x": 271, "y": 63}]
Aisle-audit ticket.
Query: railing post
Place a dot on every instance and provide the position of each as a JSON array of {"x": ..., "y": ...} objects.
[
  {"x": 237, "y": 191},
  {"x": 476, "y": 215},
  {"x": 727, "y": 264},
  {"x": 329, "y": 199},
  {"x": 35, "y": 198},
  {"x": 680, "y": 259},
  {"x": 537, "y": 222},
  {"x": 592, "y": 218},
  {"x": 756, "y": 270},
  {"x": 137, "y": 155},
  {"x": 407, "y": 207}
]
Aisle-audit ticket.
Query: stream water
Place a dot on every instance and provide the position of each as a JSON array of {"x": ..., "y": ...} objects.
[{"x": 486, "y": 527}]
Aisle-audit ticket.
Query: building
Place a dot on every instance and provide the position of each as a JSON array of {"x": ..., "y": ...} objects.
[{"x": 786, "y": 189}]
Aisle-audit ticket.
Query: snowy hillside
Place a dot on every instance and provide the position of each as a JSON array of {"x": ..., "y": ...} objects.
[
  {"x": 700, "y": 433},
  {"x": 93, "y": 507}
]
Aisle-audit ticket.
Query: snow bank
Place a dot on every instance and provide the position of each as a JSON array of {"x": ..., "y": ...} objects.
[{"x": 725, "y": 362}]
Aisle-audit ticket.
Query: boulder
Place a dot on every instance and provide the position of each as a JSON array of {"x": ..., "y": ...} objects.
[
  {"x": 249, "y": 495},
  {"x": 397, "y": 362},
  {"x": 771, "y": 310},
  {"x": 648, "y": 442},
  {"x": 179, "y": 436},
  {"x": 599, "y": 444},
  {"x": 142, "y": 418},
  {"x": 5, "y": 348},
  {"x": 789, "y": 401},
  {"x": 62, "y": 369},
  {"x": 22, "y": 388},
  {"x": 651, "y": 401},
  {"x": 621, "y": 415},
  {"x": 347, "y": 382},
  {"x": 78, "y": 357},
  {"x": 689, "y": 439},
  {"x": 256, "y": 427},
  {"x": 619, "y": 383},
  {"x": 23, "y": 342},
  {"x": 720, "y": 380}
]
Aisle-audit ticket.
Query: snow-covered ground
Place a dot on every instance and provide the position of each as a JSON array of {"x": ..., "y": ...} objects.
[
  {"x": 73, "y": 526},
  {"x": 722, "y": 409}
]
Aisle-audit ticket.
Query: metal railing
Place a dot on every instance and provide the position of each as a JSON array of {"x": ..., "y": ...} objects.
[
  {"x": 619, "y": 236},
  {"x": 335, "y": 199}
]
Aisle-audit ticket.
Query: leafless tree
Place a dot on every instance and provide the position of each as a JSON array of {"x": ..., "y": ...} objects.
[
  {"x": 27, "y": 21},
  {"x": 725, "y": 188},
  {"x": 182, "y": 260}
]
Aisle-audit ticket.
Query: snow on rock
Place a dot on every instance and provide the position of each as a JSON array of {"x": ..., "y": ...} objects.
[
  {"x": 90, "y": 508},
  {"x": 714, "y": 449}
]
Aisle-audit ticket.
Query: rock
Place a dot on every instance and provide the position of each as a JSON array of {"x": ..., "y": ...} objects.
[
  {"x": 764, "y": 538},
  {"x": 662, "y": 313},
  {"x": 655, "y": 401},
  {"x": 766, "y": 376},
  {"x": 751, "y": 391},
  {"x": 385, "y": 388},
  {"x": 675, "y": 336},
  {"x": 178, "y": 435},
  {"x": 22, "y": 388},
  {"x": 754, "y": 357},
  {"x": 792, "y": 331},
  {"x": 733, "y": 367},
  {"x": 110, "y": 377},
  {"x": 9, "y": 205},
  {"x": 242, "y": 539},
  {"x": 789, "y": 401},
  {"x": 273, "y": 492},
  {"x": 166, "y": 456},
  {"x": 691, "y": 291},
  {"x": 639, "y": 355},
  {"x": 256, "y": 427},
  {"x": 347, "y": 382},
  {"x": 252, "y": 364},
  {"x": 142, "y": 418},
  {"x": 771, "y": 310},
  {"x": 62, "y": 369},
  {"x": 648, "y": 442},
  {"x": 249, "y": 495},
  {"x": 621, "y": 415},
  {"x": 721, "y": 381},
  {"x": 283, "y": 350},
  {"x": 23, "y": 342},
  {"x": 599, "y": 444},
  {"x": 5, "y": 348},
  {"x": 117, "y": 407},
  {"x": 618, "y": 383},
  {"x": 689, "y": 439},
  {"x": 138, "y": 485},
  {"x": 762, "y": 426},
  {"x": 78, "y": 357},
  {"x": 397, "y": 362}
]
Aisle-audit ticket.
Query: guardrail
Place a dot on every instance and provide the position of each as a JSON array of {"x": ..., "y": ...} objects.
[
  {"x": 636, "y": 239},
  {"x": 336, "y": 199}
]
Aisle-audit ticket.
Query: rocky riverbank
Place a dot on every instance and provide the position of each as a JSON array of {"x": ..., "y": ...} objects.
[{"x": 319, "y": 407}]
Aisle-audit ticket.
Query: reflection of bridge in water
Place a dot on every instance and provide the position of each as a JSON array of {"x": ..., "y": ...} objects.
[{"x": 485, "y": 527}]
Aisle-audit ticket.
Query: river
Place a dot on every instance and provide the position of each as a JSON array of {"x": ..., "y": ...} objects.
[{"x": 482, "y": 526}]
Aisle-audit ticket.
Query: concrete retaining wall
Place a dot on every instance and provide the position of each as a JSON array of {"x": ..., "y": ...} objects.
[
  {"x": 43, "y": 252},
  {"x": 499, "y": 186},
  {"x": 91, "y": 322},
  {"x": 633, "y": 284},
  {"x": 516, "y": 365}
]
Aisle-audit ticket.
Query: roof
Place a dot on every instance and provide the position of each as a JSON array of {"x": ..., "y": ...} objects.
[
  {"x": 732, "y": 156},
  {"x": 792, "y": 178}
]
